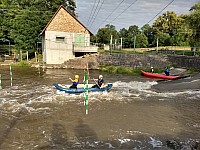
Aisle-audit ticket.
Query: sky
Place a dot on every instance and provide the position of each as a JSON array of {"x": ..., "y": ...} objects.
[{"x": 95, "y": 14}]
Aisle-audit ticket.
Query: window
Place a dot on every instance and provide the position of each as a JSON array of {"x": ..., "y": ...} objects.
[{"x": 60, "y": 39}]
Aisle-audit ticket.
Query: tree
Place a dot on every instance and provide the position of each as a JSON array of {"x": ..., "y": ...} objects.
[
  {"x": 142, "y": 41},
  {"x": 104, "y": 34},
  {"x": 22, "y": 20},
  {"x": 173, "y": 25},
  {"x": 167, "y": 23},
  {"x": 132, "y": 34},
  {"x": 123, "y": 33},
  {"x": 164, "y": 39},
  {"x": 147, "y": 30},
  {"x": 194, "y": 23}
]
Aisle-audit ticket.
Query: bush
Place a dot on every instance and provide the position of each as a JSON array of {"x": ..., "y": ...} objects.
[
  {"x": 22, "y": 64},
  {"x": 121, "y": 70}
]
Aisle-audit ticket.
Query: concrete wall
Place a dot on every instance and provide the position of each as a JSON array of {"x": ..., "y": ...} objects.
[
  {"x": 185, "y": 61},
  {"x": 135, "y": 61},
  {"x": 158, "y": 61},
  {"x": 63, "y": 24},
  {"x": 57, "y": 52}
]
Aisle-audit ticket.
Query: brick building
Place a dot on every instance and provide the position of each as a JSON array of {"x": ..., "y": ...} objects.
[{"x": 64, "y": 38}]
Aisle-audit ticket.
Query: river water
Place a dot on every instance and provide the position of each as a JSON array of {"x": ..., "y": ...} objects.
[{"x": 137, "y": 113}]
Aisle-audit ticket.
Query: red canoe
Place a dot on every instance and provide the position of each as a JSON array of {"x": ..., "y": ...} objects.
[{"x": 156, "y": 75}]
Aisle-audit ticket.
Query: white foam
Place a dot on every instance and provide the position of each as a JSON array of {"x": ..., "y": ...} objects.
[
  {"x": 134, "y": 85},
  {"x": 17, "y": 98},
  {"x": 155, "y": 143}
]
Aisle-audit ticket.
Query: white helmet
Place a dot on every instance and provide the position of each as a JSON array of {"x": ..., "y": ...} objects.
[{"x": 100, "y": 76}]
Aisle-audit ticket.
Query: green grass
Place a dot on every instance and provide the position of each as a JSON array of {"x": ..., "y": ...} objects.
[
  {"x": 178, "y": 50},
  {"x": 128, "y": 70},
  {"x": 120, "y": 70},
  {"x": 22, "y": 64},
  {"x": 191, "y": 70}
]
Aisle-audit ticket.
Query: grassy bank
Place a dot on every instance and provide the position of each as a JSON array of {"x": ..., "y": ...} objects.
[
  {"x": 126, "y": 70},
  {"x": 22, "y": 64},
  {"x": 175, "y": 50}
]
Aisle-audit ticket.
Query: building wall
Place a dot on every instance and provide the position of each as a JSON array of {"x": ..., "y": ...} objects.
[
  {"x": 56, "y": 51},
  {"x": 64, "y": 22},
  {"x": 60, "y": 37},
  {"x": 59, "y": 46}
]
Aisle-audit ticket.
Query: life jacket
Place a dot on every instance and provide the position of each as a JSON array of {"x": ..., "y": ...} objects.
[
  {"x": 100, "y": 82},
  {"x": 75, "y": 82},
  {"x": 167, "y": 70}
]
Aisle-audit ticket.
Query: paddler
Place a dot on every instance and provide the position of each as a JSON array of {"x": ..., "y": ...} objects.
[
  {"x": 99, "y": 83},
  {"x": 152, "y": 70},
  {"x": 74, "y": 82},
  {"x": 167, "y": 71}
]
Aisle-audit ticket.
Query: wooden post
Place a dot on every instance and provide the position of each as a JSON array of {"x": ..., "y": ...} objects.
[
  {"x": 27, "y": 55},
  {"x": 10, "y": 74},
  {"x": 36, "y": 57},
  {"x": 111, "y": 44},
  {"x": 134, "y": 41},
  {"x": 157, "y": 45},
  {"x": 121, "y": 43},
  {"x": 20, "y": 55},
  {"x": 0, "y": 82}
]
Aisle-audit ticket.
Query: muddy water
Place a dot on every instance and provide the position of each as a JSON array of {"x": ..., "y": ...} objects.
[{"x": 137, "y": 113}]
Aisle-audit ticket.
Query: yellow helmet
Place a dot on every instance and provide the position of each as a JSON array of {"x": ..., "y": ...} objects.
[
  {"x": 151, "y": 66},
  {"x": 76, "y": 76},
  {"x": 100, "y": 76}
]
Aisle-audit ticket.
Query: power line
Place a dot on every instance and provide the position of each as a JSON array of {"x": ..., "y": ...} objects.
[
  {"x": 97, "y": 14},
  {"x": 111, "y": 13},
  {"x": 92, "y": 13},
  {"x": 160, "y": 11},
  {"x": 95, "y": 10},
  {"x": 124, "y": 10}
]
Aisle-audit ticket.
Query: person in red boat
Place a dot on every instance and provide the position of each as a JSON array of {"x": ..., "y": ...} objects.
[
  {"x": 152, "y": 69},
  {"x": 167, "y": 71}
]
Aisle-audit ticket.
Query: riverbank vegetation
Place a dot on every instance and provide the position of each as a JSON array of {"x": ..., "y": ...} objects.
[
  {"x": 152, "y": 51},
  {"x": 137, "y": 71},
  {"x": 22, "y": 64},
  {"x": 126, "y": 70}
]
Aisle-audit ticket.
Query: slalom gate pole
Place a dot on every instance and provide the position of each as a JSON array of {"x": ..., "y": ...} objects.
[
  {"x": 10, "y": 74},
  {"x": 0, "y": 82},
  {"x": 84, "y": 82},
  {"x": 86, "y": 91},
  {"x": 88, "y": 71}
]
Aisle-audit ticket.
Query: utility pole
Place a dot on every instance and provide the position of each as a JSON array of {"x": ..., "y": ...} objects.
[
  {"x": 134, "y": 40},
  {"x": 121, "y": 43},
  {"x": 111, "y": 44},
  {"x": 9, "y": 47},
  {"x": 157, "y": 45},
  {"x": 115, "y": 44},
  {"x": 20, "y": 55}
]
